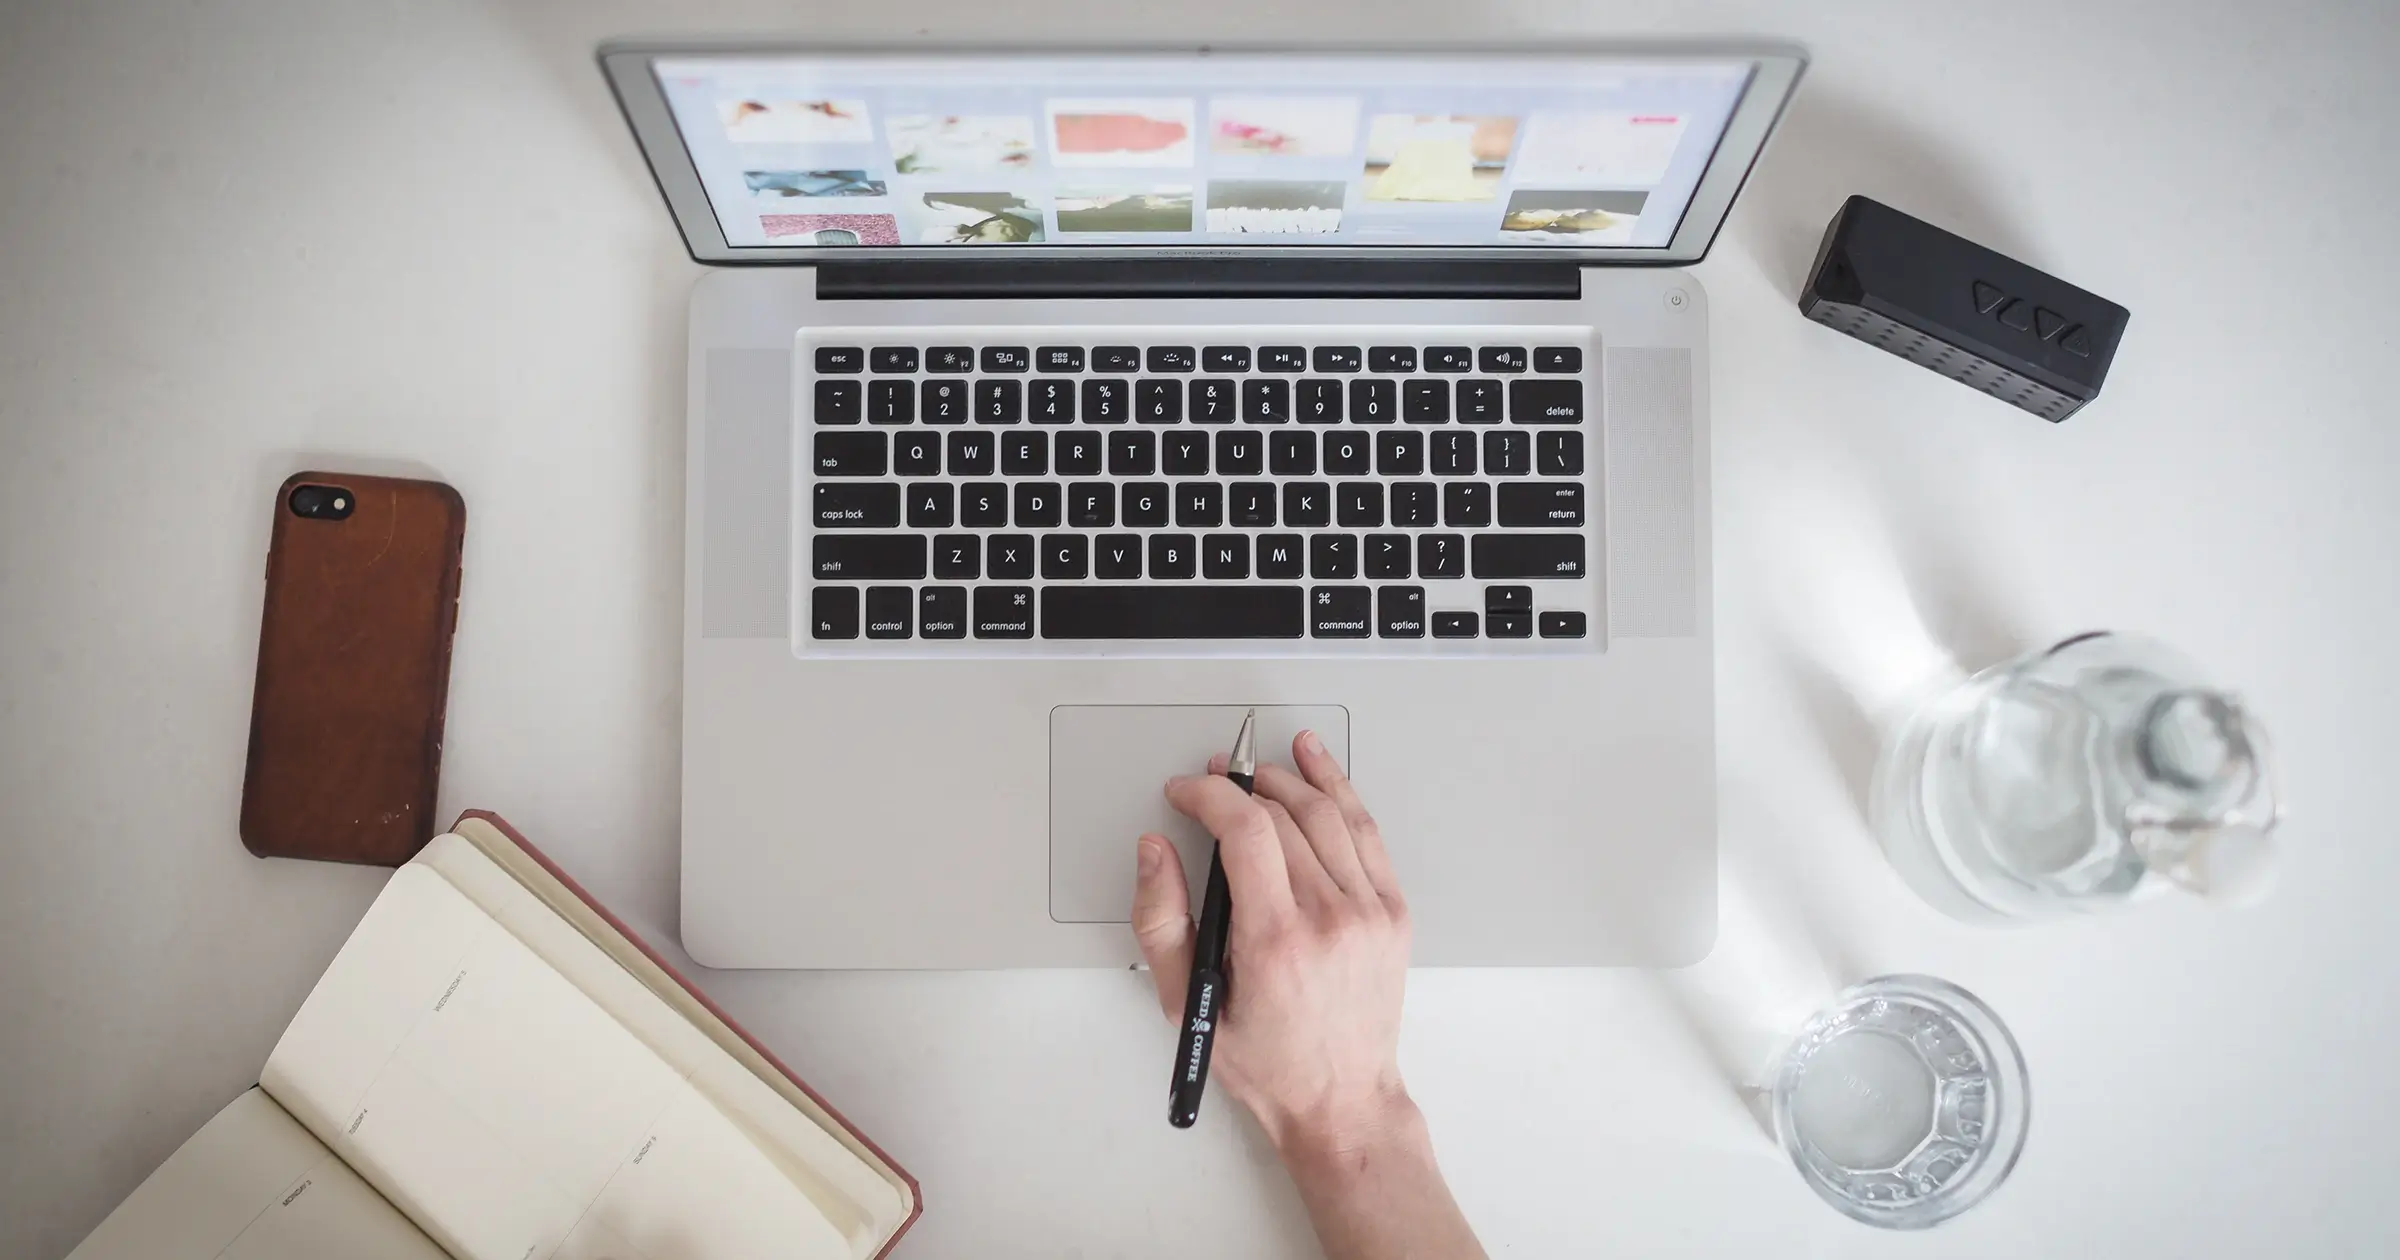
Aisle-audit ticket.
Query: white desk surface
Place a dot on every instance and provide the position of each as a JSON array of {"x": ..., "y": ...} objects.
[{"x": 239, "y": 240}]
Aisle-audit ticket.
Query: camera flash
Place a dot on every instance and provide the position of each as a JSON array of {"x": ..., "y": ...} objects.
[{"x": 339, "y": 505}]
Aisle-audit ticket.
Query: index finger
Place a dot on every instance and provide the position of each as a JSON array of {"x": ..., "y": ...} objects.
[{"x": 1246, "y": 840}]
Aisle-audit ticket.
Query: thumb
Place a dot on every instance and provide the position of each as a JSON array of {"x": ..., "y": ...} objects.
[{"x": 1162, "y": 920}]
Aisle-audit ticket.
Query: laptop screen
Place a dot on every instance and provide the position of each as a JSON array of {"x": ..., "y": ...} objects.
[{"x": 994, "y": 152}]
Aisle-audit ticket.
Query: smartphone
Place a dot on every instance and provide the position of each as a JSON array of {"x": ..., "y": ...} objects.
[{"x": 353, "y": 668}]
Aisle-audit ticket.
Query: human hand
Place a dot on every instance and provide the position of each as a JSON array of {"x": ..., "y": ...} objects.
[{"x": 1317, "y": 957}]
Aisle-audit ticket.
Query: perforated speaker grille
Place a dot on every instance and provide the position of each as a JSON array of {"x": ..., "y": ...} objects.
[
  {"x": 1653, "y": 538},
  {"x": 1931, "y": 352}
]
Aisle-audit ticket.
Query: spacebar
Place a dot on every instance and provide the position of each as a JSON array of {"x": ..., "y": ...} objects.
[{"x": 1173, "y": 612}]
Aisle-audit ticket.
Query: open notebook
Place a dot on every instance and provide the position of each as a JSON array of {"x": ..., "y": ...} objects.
[{"x": 495, "y": 1069}]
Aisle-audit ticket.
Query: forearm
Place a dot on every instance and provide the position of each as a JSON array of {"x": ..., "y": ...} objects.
[{"x": 1374, "y": 1192}]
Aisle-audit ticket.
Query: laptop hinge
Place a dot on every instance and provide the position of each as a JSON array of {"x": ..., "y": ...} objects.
[{"x": 1199, "y": 278}]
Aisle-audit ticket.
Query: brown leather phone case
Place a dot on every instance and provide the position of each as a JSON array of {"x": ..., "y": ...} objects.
[{"x": 353, "y": 670}]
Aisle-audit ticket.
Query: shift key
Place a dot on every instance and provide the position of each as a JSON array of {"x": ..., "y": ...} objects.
[
  {"x": 868, "y": 557},
  {"x": 1511, "y": 555}
]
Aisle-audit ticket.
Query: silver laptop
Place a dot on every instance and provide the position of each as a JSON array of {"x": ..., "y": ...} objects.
[{"x": 1048, "y": 410}]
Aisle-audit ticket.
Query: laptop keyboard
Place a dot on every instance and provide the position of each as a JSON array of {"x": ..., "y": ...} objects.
[{"x": 1158, "y": 490}]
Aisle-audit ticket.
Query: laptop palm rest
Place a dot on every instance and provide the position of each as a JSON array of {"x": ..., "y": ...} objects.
[{"x": 1108, "y": 766}]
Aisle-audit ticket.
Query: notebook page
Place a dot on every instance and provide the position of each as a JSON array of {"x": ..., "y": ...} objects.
[
  {"x": 856, "y": 1197},
  {"x": 253, "y": 1185},
  {"x": 508, "y": 1115}
]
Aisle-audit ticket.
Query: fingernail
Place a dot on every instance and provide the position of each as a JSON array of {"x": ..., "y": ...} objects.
[
  {"x": 1309, "y": 741},
  {"x": 1149, "y": 858}
]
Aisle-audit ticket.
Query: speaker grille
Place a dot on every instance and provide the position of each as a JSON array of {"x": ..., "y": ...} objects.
[
  {"x": 1653, "y": 560},
  {"x": 1930, "y": 352},
  {"x": 746, "y": 478}
]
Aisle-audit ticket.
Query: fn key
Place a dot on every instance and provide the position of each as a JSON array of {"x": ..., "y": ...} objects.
[{"x": 833, "y": 612}]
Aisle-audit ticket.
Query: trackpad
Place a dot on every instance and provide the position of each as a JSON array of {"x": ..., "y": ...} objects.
[{"x": 1108, "y": 764}]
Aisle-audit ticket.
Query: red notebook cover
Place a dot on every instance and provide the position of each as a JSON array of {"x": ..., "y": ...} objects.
[{"x": 915, "y": 1193}]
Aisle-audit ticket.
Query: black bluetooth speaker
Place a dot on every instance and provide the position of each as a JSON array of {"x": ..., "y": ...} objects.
[{"x": 1978, "y": 317}]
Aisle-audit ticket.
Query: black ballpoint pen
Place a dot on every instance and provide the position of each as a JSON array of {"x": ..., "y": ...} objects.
[{"x": 1205, "y": 999}]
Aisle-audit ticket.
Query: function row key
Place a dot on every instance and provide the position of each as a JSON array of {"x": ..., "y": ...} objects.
[{"x": 852, "y": 360}]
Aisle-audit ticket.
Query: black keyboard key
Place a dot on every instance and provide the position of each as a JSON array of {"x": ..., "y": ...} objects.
[
  {"x": 1226, "y": 358},
  {"x": 1077, "y": 453},
  {"x": 1467, "y": 504},
  {"x": 1171, "y": 359},
  {"x": 1225, "y": 557},
  {"x": 1333, "y": 556},
  {"x": 1172, "y": 556},
  {"x": 1186, "y": 454},
  {"x": 1091, "y": 505},
  {"x": 1441, "y": 555},
  {"x": 1307, "y": 504},
  {"x": 1053, "y": 402},
  {"x": 1173, "y": 612},
  {"x": 1214, "y": 401},
  {"x": 1507, "y": 453},
  {"x": 1117, "y": 557},
  {"x": 972, "y": 454},
  {"x": 1251, "y": 503},
  {"x": 1039, "y": 504},
  {"x": 1132, "y": 454},
  {"x": 1199, "y": 505},
  {"x": 1558, "y": 358},
  {"x": 1545, "y": 402},
  {"x": 1281, "y": 555},
  {"x": 1104, "y": 401},
  {"x": 999, "y": 402},
  {"x": 1560, "y": 454},
  {"x": 1024, "y": 454},
  {"x": 1508, "y": 625},
  {"x": 931, "y": 504},
  {"x": 839, "y": 402},
  {"x": 1282, "y": 358},
  {"x": 1449, "y": 359},
  {"x": 1358, "y": 504},
  {"x": 1426, "y": 402},
  {"x": 942, "y": 612},
  {"x": 943, "y": 402},
  {"x": 1158, "y": 401},
  {"x": 1562, "y": 625},
  {"x": 1266, "y": 402},
  {"x": 1320, "y": 402},
  {"x": 983, "y": 505},
  {"x": 1066, "y": 557},
  {"x": 958, "y": 558},
  {"x": 1145, "y": 503},
  {"x": 833, "y": 612},
  {"x": 1004, "y": 612},
  {"x": 893, "y": 358},
  {"x": 1347, "y": 454},
  {"x": 867, "y": 557},
  {"x": 1392, "y": 359},
  {"x": 1503, "y": 555},
  {"x": 1387, "y": 555},
  {"x": 917, "y": 454},
  {"x": 1292, "y": 454},
  {"x": 1415, "y": 504},
  {"x": 891, "y": 402},
  {"x": 1478, "y": 401},
  {"x": 1009, "y": 556},
  {"x": 1240, "y": 454},
  {"x": 950, "y": 360},
  {"x": 1400, "y": 454},
  {"x": 1373, "y": 401},
  {"x": 1006, "y": 358},
  {"x": 1508, "y": 599},
  {"x": 1455, "y": 625},
  {"x": 1341, "y": 612},
  {"x": 1116, "y": 358},
  {"x": 891, "y": 612},
  {"x": 1336, "y": 359},
  {"x": 855, "y": 505},
  {"x": 851, "y": 455},
  {"x": 1059, "y": 359},
  {"x": 1550, "y": 504},
  {"x": 1400, "y": 611},
  {"x": 1454, "y": 453},
  {"x": 840, "y": 360},
  {"x": 1499, "y": 359}
]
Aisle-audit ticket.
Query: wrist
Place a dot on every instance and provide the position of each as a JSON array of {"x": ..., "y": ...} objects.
[{"x": 1334, "y": 1140}]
